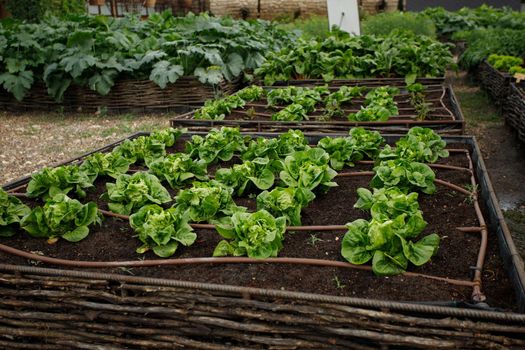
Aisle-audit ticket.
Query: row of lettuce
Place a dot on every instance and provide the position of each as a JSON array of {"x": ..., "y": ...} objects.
[
  {"x": 97, "y": 52},
  {"x": 285, "y": 173},
  {"x": 295, "y": 103}
]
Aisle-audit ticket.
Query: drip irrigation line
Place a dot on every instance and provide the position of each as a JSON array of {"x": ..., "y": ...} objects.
[{"x": 211, "y": 260}]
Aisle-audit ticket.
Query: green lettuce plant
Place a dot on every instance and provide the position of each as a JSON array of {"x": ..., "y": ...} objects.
[
  {"x": 308, "y": 169},
  {"x": 216, "y": 145},
  {"x": 105, "y": 164},
  {"x": 258, "y": 235},
  {"x": 61, "y": 217},
  {"x": 287, "y": 202},
  {"x": 178, "y": 168},
  {"x": 259, "y": 172},
  {"x": 50, "y": 181},
  {"x": 405, "y": 174},
  {"x": 207, "y": 201},
  {"x": 275, "y": 148},
  {"x": 161, "y": 230},
  {"x": 12, "y": 210},
  {"x": 130, "y": 192}
]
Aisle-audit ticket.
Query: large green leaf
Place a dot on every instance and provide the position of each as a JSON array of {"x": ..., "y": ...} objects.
[
  {"x": 164, "y": 72},
  {"x": 17, "y": 84}
]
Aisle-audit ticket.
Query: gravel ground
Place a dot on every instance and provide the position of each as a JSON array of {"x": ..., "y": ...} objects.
[{"x": 29, "y": 142}]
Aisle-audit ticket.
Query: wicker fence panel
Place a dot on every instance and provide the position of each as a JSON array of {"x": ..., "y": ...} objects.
[
  {"x": 514, "y": 109},
  {"x": 496, "y": 83},
  {"x": 125, "y": 96}
]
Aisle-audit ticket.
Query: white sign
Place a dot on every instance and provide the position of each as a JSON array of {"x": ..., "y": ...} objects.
[{"x": 344, "y": 14}]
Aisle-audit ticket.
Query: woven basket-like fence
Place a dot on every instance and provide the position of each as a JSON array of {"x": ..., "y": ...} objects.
[
  {"x": 496, "y": 83},
  {"x": 514, "y": 109},
  {"x": 125, "y": 96}
]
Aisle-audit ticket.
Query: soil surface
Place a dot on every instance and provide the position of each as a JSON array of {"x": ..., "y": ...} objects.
[
  {"x": 502, "y": 151},
  {"x": 444, "y": 211}
]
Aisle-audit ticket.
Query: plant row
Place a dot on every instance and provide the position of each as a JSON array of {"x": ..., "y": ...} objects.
[
  {"x": 450, "y": 22},
  {"x": 95, "y": 52},
  {"x": 398, "y": 54},
  {"x": 297, "y": 103},
  {"x": 285, "y": 175}
]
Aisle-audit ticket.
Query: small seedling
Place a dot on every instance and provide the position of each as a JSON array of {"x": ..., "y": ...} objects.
[
  {"x": 314, "y": 239},
  {"x": 338, "y": 283},
  {"x": 473, "y": 189}
]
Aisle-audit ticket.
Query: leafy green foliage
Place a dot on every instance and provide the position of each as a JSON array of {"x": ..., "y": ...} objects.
[
  {"x": 130, "y": 192},
  {"x": 385, "y": 23},
  {"x": 251, "y": 93},
  {"x": 217, "y": 144},
  {"x": 417, "y": 100},
  {"x": 419, "y": 145},
  {"x": 345, "y": 94},
  {"x": 343, "y": 56},
  {"x": 178, "y": 168},
  {"x": 96, "y": 52},
  {"x": 161, "y": 230},
  {"x": 100, "y": 164},
  {"x": 503, "y": 62},
  {"x": 366, "y": 143},
  {"x": 396, "y": 218},
  {"x": 50, "y": 181},
  {"x": 167, "y": 136},
  {"x": 380, "y": 105},
  {"x": 277, "y": 147},
  {"x": 359, "y": 145},
  {"x": 448, "y": 22},
  {"x": 218, "y": 109},
  {"x": 259, "y": 172},
  {"x": 481, "y": 43},
  {"x": 287, "y": 202},
  {"x": 293, "y": 112},
  {"x": 61, "y": 217},
  {"x": 258, "y": 235},
  {"x": 293, "y": 95},
  {"x": 12, "y": 210},
  {"x": 207, "y": 201},
  {"x": 405, "y": 174},
  {"x": 308, "y": 169}
]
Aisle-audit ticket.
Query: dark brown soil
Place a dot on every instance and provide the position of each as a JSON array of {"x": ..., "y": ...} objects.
[{"x": 444, "y": 211}]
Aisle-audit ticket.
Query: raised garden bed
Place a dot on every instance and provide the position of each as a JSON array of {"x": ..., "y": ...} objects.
[
  {"x": 444, "y": 116},
  {"x": 496, "y": 83},
  {"x": 514, "y": 109},
  {"x": 138, "y": 96},
  {"x": 249, "y": 304}
]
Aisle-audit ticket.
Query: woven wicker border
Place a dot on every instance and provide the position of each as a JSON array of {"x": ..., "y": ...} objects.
[
  {"x": 514, "y": 109},
  {"x": 125, "y": 96},
  {"x": 496, "y": 83}
]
